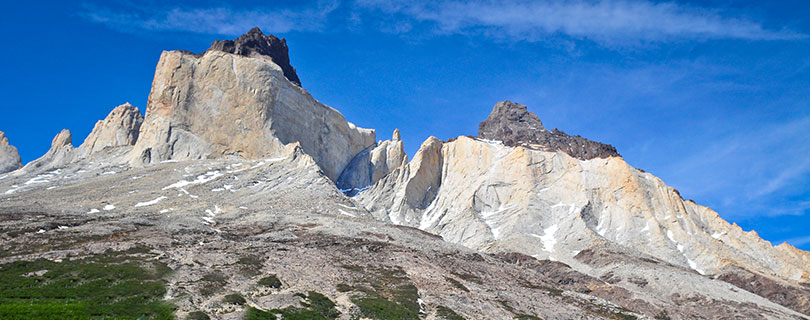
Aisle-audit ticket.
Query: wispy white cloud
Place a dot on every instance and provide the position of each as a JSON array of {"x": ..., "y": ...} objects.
[
  {"x": 217, "y": 20},
  {"x": 606, "y": 21}
]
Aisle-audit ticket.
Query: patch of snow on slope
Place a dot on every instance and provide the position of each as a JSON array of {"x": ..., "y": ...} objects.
[
  {"x": 548, "y": 238},
  {"x": 93, "y": 211},
  {"x": 203, "y": 178},
  {"x": 108, "y": 207},
  {"x": 490, "y": 220},
  {"x": 693, "y": 265},
  {"x": 347, "y": 213},
  {"x": 717, "y": 235},
  {"x": 149, "y": 203}
]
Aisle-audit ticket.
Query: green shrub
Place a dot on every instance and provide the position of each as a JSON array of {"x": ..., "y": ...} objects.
[
  {"x": 111, "y": 285},
  {"x": 316, "y": 307},
  {"x": 270, "y": 281},
  {"x": 445, "y": 313},
  {"x": 234, "y": 298},
  {"x": 197, "y": 315}
]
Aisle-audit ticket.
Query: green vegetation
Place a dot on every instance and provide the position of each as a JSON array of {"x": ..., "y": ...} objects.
[
  {"x": 114, "y": 285},
  {"x": 250, "y": 265},
  {"x": 198, "y": 315},
  {"x": 469, "y": 277},
  {"x": 234, "y": 298},
  {"x": 385, "y": 293},
  {"x": 445, "y": 313},
  {"x": 212, "y": 283},
  {"x": 316, "y": 307},
  {"x": 517, "y": 315},
  {"x": 342, "y": 287},
  {"x": 270, "y": 281}
]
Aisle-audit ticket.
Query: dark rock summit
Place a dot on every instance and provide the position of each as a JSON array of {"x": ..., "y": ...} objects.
[
  {"x": 257, "y": 43},
  {"x": 513, "y": 124}
]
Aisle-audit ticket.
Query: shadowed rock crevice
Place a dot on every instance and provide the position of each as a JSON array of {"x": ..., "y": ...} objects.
[
  {"x": 513, "y": 124},
  {"x": 257, "y": 43}
]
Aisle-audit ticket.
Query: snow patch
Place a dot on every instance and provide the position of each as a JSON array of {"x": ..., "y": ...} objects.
[
  {"x": 108, "y": 207},
  {"x": 93, "y": 211},
  {"x": 149, "y": 203},
  {"x": 347, "y": 213},
  {"x": 717, "y": 235},
  {"x": 201, "y": 179},
  {"x": 548, "y": 238}
]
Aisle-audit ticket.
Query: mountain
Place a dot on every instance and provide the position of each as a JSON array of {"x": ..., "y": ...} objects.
[{"x": 238, "y": 195}]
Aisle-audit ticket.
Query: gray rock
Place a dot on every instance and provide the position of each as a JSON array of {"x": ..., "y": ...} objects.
[
  {"x": 120, "y": 128},
  {"x": 513, "y": 124},
  {"x": 9, "y": 157},
  {"x": 222, "y": 105}
]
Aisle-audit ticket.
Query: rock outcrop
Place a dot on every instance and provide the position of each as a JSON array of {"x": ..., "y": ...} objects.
[
  {"x": 220, "y": 105},
  {"x": 120, "y": 128},
  {"x": 551, "y": 205},
  {"x": 514, "y": 125},
  {"x": 9, "y": 157},
  {"x": 372, "y": 164},
  {"x": 61, "y": 153},
  {"x": 257, "y": 43}
]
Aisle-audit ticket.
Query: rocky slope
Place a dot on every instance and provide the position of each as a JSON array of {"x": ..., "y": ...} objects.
[
  {"x": 255, "y": 196},
  {"x": 9, "y": 157}
]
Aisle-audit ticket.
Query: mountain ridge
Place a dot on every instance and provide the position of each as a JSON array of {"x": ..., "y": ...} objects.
[{"x": 231, "y": 148}]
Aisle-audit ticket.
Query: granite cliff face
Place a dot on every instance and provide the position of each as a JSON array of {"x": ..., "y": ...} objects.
[
  {"x": 220, "y": 105},
  {"x": 9, "y": 157}
]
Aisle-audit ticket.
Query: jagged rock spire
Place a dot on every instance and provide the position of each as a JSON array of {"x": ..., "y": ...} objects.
[
  {"x": 9, "y": 157},
  {"x": 513, "y": 124},
  {"x": 256, "y": 42}
]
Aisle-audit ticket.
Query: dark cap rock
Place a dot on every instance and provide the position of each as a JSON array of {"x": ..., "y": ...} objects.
[
  {"x": 513, "y": 124},
  {"x": 257, "y": 43}
]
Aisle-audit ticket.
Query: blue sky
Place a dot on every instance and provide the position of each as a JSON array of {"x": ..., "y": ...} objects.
[{"x": 711, "y": 96}]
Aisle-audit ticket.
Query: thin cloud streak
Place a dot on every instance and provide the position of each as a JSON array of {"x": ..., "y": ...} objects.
[
  {"x": 605, "y": 21},
  {"x": 220, "y": 20}
]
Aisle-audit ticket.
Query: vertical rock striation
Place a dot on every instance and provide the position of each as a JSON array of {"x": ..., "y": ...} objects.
[{"x": 9, "y": 157}]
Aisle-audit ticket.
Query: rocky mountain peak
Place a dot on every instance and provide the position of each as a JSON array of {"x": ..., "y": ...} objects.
[
  {"x": 9, "y": 157},
  {"x": 513, "y": 124},
  {"x": 255, "y": 42},
  {"x": 64, "y": 138},
  {"x": 120, "y": 128}
]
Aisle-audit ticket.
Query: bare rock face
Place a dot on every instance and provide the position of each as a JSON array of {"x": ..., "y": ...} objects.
[
  {"x": 120, "y": 128},
  {"x": 372, "y": 164},
  {"x": 402, "y": 196},
  {"x": 61, "y": 153},
  {"x": 513, "y": 124},
  {"x": 9, "y": 157},
  {"x": 222, "y": 105},
  {"x": 256, "y": 43}
]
